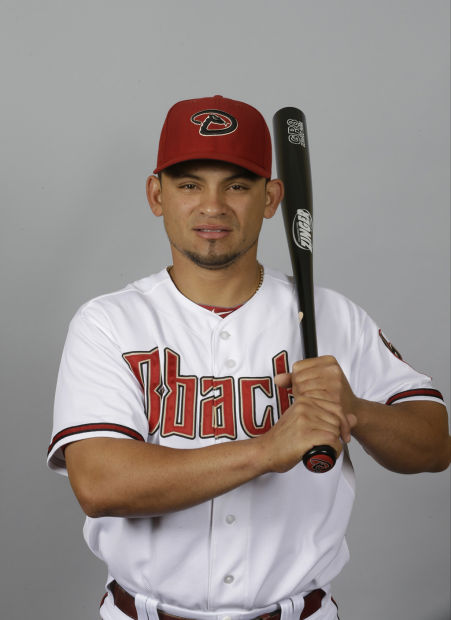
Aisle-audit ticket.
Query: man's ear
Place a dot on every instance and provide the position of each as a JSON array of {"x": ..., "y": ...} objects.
[
  {"x": 274, "y": 195},
  {"x": 153, "y": 192}
]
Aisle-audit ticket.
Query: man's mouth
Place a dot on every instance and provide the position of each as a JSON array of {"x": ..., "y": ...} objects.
[{"x": 212, "y": 232}]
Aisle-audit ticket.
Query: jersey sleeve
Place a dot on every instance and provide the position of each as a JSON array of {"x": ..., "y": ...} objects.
[
  {"x": 381, "y": 375},
  {"x": 96, "y": 394}
]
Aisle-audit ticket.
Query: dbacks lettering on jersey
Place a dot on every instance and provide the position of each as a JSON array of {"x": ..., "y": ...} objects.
[{"x": 172, "y": 400}]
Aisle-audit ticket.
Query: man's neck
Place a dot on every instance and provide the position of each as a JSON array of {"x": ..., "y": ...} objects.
[{"x": 226, "y": 287}]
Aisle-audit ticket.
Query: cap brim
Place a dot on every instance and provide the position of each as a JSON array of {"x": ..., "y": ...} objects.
[{"x": 238, "y": 161}]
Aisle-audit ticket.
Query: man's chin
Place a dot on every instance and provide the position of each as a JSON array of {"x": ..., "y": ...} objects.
[{"x": 212, "y": 262}]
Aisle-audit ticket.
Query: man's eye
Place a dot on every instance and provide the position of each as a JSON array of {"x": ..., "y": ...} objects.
[
  {"x": 188, "y": 186},
  {"x": 237, "y": 187}
]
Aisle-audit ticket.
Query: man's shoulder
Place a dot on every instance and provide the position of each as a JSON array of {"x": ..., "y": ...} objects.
[
  {"x": 330, "y": 297},
  {"x": 276, "y": 281},
  {"x": 323, "y": 295},
  {"x": 125, "y": 297},
  {"x": 334, "y": 312}
]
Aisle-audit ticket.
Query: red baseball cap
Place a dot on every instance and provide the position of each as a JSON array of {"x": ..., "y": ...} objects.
[{"x": 216, "y": 128}]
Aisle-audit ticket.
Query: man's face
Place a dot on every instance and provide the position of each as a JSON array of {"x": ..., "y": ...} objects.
[{"x": 213, "y": 211}]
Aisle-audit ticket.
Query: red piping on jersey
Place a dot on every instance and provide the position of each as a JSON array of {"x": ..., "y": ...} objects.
[
  {"x": 412, "y": 393},
  {"x": 89, "y": 428}
]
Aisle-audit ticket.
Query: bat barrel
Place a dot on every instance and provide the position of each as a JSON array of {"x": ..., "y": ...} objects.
[
  {"x": 293, "y": 168},
  {"x": 292, "y": 157}
]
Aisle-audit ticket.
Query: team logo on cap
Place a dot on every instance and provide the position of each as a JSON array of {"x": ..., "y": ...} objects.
[{"x": 214, "y": 122}]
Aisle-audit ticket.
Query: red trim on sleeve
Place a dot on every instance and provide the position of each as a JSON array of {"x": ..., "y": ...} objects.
[
  {"x": 89, "y": 428},
  {"x": 412, "y": 393}
]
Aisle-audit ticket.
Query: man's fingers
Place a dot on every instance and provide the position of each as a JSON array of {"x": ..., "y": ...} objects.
[
  {"x": 334, "y": 415},
  {"x": 283, "y": 380}
]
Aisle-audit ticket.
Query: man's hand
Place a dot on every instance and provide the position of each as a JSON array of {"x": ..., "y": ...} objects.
[
  {"x": 409, "y": 437},
  {"x": 322, "y": 412}
]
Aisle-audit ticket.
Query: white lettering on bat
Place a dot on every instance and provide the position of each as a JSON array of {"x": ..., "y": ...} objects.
[
  {"x": 302, "y": 230},
  {"x": 296, "y": 133}
]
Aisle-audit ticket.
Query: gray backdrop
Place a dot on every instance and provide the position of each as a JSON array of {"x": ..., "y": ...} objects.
[{"x": 84, "y": 89}]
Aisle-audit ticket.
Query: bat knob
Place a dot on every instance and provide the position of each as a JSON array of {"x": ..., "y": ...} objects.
[{"x": 320, "y": 459}]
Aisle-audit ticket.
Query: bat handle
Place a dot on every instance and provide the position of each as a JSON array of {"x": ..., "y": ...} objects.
[{"x": 320, "y": 459}]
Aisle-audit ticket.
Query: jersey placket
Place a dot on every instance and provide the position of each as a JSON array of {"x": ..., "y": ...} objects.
[
  {"x": 224, "y": 360},
  {"x": 230, "y": 512}
]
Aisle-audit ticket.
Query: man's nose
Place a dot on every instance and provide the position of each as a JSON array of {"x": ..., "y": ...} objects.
[{"x": 213, "y": 202}]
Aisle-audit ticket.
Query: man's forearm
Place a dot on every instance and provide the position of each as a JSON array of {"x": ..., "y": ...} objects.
[
  {"x": 121, "y": 477},
  {"x": 407, "y": 438}
]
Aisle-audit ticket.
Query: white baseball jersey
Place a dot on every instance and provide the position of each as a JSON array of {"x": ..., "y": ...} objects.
[{"x": 149, "y": 364}]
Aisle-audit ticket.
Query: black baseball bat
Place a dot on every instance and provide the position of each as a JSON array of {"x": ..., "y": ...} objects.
[{"x": 293, "y": 168}]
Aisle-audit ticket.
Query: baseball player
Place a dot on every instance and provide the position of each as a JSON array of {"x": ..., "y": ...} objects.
[{"x": 184, "y": 407}]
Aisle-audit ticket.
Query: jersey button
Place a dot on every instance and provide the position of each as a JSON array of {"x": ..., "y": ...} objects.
[
  {"x": 230, "y": 519},
  {"x": 229, "y": 579},
  {"x": 230, "y": 363},
  {"x": 224, "y": 335}
]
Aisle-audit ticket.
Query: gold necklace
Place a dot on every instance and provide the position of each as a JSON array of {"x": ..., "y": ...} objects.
[{"x": 260, "y": 279}]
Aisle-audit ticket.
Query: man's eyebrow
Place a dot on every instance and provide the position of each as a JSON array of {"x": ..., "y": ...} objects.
[
  {"x": 183, "y": 174},
  {"x": 244, "y": 174}
]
